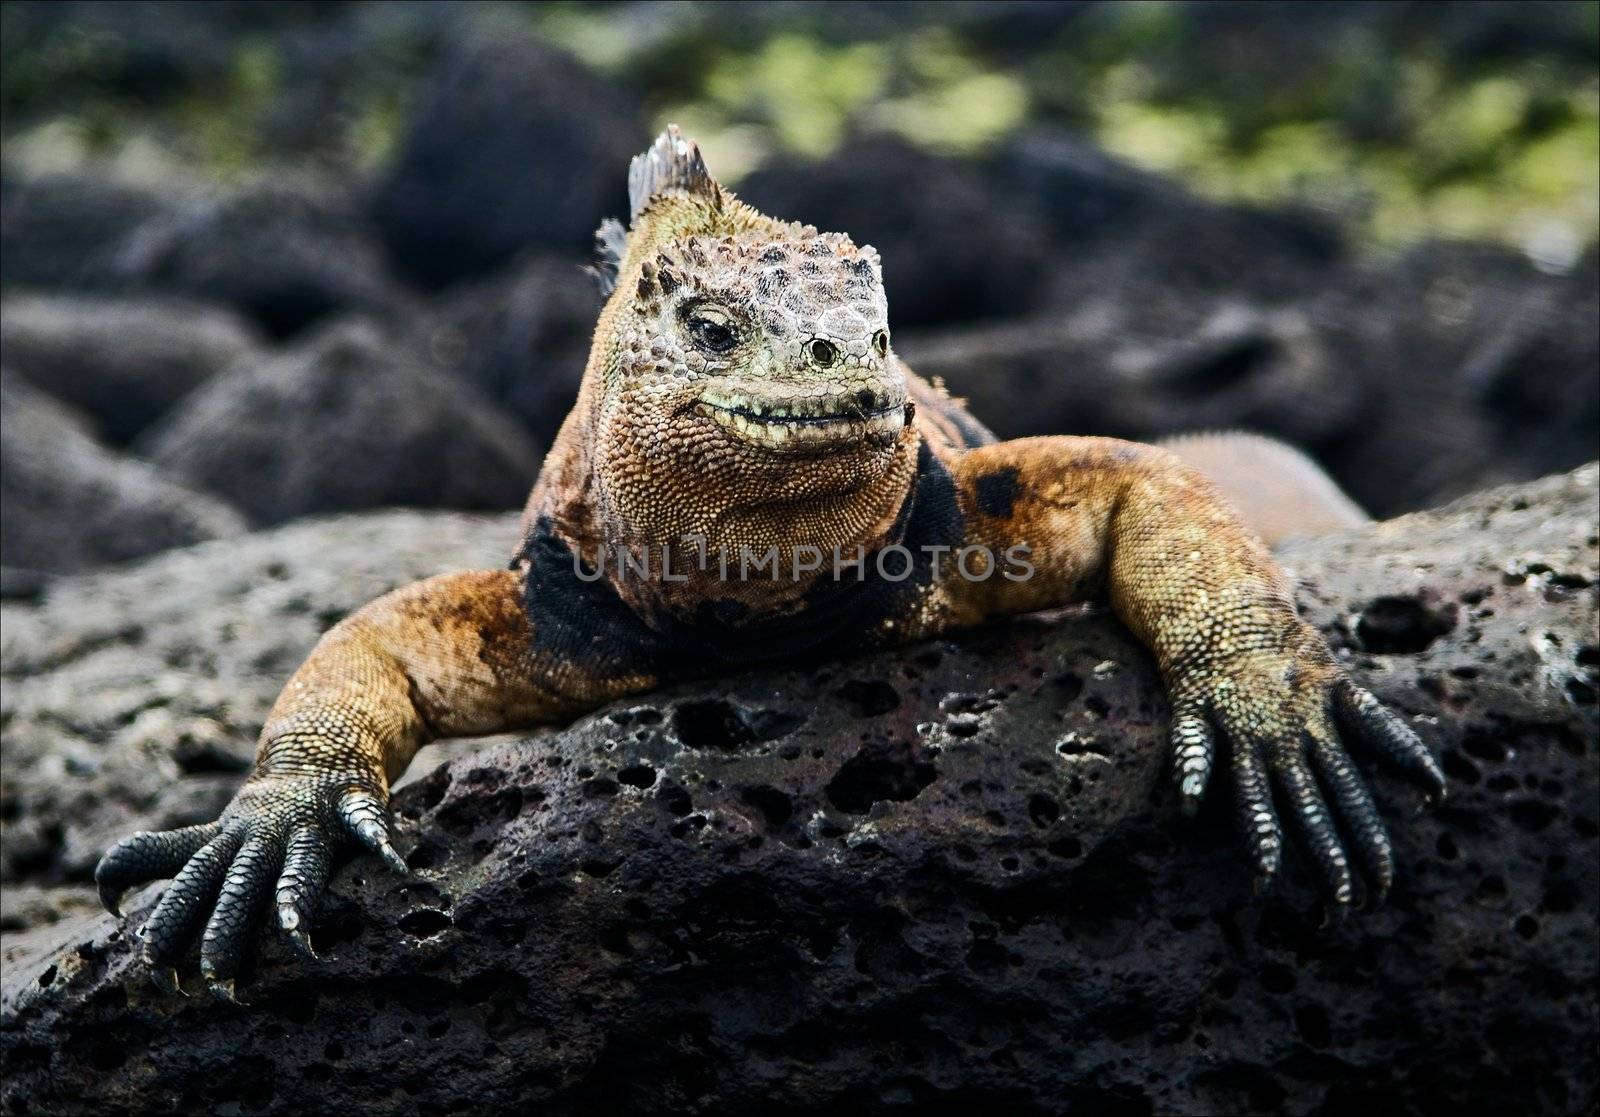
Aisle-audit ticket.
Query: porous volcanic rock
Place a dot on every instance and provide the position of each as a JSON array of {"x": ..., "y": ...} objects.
[
  {"x": 345, "y": 420},
  {"x": 939, "y": 878},
  {"x": 123, "y": 360},
  {"x": 71, "y": 230},
  {"x": 69, "y": 503},
  {"x": 285, "y": 251},
  {"x": 512, "y": 145}
]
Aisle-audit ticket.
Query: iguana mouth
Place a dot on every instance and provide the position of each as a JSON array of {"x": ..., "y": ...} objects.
[{"x": 807, "y": 424}]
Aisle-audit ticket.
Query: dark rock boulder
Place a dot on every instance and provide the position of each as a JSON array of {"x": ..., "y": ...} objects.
[
  {"x": 512, "y": 145},
  {"x": 944, "y": 877},
  {"x": 1455, "y": 368},
  {"x": 343, "y": 421},
  {"x": 1480, "y": 370},
  {"x": 69, "y": 503},
  {"x": 285, "y": 252},
  {"x": 169, "y": 669},
  {"x": 522, "y": 337},
  {"x": 71, "y": 230},
  {"x": 122, "y": 360},
  {"x": 1111, "y": 225},
  {"x": 1108, "y": 367}
]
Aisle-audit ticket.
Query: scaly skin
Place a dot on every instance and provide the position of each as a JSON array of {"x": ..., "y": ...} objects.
[{"x": 742, "y": 391}]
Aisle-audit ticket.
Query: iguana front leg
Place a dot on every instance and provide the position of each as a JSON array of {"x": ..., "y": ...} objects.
[
  {"x": 450, "y": 656},
  {"x": 1102, "y": 517}
]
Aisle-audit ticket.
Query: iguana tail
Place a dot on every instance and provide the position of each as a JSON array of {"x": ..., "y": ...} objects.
[{"x": 1280, "y": 492}]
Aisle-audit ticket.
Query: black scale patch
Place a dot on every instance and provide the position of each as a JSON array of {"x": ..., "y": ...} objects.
[{"x": 588, "y": 624}]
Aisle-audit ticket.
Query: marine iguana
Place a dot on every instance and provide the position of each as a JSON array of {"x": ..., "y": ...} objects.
[{"x": 743, "y": 398}]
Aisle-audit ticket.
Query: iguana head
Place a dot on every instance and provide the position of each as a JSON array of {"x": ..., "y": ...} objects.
[{"x": 740, "y": 360}]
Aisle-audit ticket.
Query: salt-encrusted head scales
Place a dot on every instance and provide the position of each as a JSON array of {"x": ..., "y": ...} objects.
[{"x": 733, "y": 343}]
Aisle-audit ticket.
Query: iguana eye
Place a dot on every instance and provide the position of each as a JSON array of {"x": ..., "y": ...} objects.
[
  {"x": 712, "y": 335},
  {"x": 824, "y": 353}
]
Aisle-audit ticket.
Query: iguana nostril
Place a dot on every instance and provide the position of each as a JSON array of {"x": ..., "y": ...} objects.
[
  {"x": 824, "y": 352},
  {"x": 867, "y": 400}
]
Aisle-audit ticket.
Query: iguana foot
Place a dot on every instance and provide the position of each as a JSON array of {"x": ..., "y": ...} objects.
[
  {"x": 1281, "y": 714},
  {"x": 275, "y": 841}
]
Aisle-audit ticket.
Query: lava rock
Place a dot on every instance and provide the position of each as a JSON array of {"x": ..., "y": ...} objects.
[
  {"x": 122, "y": 360},
  {"x": 1455, "y": 368},
  {"x": 1111, "y": 226},
  {"x": 1111, "y": 368},
  {"x": 943, "y": 876},
  {"x": 167, "y": 695},
  {"x": 283, "y": 251},
  {"x": 69, "y": 503},
  {"x": 522, "y": 337},
  {"x": 1478, "y": 370},
  {"x": 71, "y": 230},
  {"x": 344, "y": 421},
  {"x": 512, "y": 145}
]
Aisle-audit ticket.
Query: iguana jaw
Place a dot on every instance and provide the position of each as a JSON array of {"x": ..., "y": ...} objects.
[{"x": 808, "y": 424}]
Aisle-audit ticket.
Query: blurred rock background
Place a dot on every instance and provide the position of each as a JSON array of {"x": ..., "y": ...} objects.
[{"x": 264, "y": 260}]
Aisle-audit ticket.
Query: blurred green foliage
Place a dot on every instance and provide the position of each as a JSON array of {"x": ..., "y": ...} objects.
[{"x": 1406, "y": 120}]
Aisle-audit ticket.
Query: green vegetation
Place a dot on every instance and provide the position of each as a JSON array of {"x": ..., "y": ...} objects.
[{"x": 1477, "y": 120}]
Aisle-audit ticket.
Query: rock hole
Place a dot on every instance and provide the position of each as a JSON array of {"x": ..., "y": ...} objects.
[
  {"x": 1532, "y": 815},
  {"x": 1069, "y": 686},
  {"x": 869, "y": 697},
  {"x": 431, "y": 789},
  {"x": 774, "y": 805},
  {"x": 1484, "y": 748},
  {"x": 425, "y": 923},
  {"x": 598, "y": 868},
  {"x": 332, "y": 932},
  {"x": 600, "y": 788},
  {"x": 638, "y": 715},
  {"x": 1404, "y": 625},
  {"x": 197, "y": 758},
  {"x": 878, "y": 773},
  {"x": 716, "y": 724},
  {"x": 46, "y": 978},
  {"x": 637, "y": 775},
  {"x": 1459, "y": 768},
  {"x": 963, "y": 725},
  {"x": 1311, "y": 1021},
  {"x": 427, "y": 855},
  {"x": 1526, "y": 927},
  {"x": 1043, "y": 810}
]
